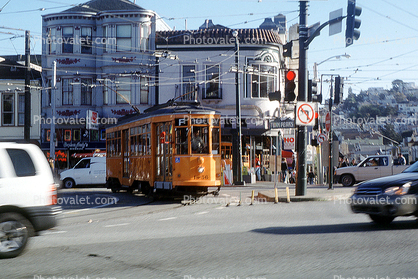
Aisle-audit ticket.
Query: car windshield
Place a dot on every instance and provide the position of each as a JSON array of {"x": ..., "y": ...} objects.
[{"x": 412, "y": 168}]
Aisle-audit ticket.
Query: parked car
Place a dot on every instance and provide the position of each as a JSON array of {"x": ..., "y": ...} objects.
[
  {"x": 370, "y": 168},
  {"x": 88, "y": 171},
  {"x": 28, "y": 196},
  {"x": 383, "y": 199}
]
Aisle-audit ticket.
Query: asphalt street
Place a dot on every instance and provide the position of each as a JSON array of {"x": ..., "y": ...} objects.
[{"x": 210, "y": 238}]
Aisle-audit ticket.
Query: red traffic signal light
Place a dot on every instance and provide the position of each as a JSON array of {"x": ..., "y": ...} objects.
[
  {"x": 290, "y": 75},
  {"x": 290, "y": 86}
]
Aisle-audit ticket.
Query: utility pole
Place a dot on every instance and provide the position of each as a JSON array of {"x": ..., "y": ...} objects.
[
  {"x": 304, "y": 41},
  {"x": 52, "y": 132},
  {"x": 237, "y": 156},
  {"x": 331, "y": 138},
  {"x": 301, "y": 183},
  {"x": 27, "y": 123}
]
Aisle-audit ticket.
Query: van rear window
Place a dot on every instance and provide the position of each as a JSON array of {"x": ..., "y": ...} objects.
[{"x": 22, "y": 162}]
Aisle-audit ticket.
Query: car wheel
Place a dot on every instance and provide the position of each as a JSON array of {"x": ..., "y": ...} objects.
[
  {"x": 381, "y": 220},
  {"x": 69, "y": 183},
  {"x": 347, "y": 180},
  {"x": 14, "y": 234}
]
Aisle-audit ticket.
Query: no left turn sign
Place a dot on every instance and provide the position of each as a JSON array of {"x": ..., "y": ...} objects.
[{"x": 305, "y": 114}]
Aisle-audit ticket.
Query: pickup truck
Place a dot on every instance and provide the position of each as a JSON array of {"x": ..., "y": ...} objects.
[{"x": 370, "y": 168}]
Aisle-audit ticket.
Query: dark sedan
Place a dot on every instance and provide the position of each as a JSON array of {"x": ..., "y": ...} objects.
[{"x": 385, "y": 198}]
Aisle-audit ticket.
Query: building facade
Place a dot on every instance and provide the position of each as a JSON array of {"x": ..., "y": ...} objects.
[
  {"x": 12, "y": 94},
  {"x": 104, "y": 67},
  {"x": 205, "y": 69}
]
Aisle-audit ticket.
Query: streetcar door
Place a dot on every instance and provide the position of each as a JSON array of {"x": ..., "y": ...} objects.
[
  {"x": 125, "y": 152},
  {"x": 164, "y": 155}
]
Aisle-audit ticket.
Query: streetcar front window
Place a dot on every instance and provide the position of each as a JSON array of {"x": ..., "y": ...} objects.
[
  {"x": 200, "y": 140},
  {"x": 181, "y": 141}
]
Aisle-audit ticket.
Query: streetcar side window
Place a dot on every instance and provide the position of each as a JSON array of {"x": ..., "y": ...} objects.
[
  {"x": 215, "y": 141},
  {"x": 181, "y": 141},
  {"x": 148, "y": 148}
]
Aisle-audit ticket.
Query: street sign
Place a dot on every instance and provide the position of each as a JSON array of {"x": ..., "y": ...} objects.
[
  {"x": 305, "y": 114},
  {"x": 282, "y": 123},
  {"x": 335, "y": 27},
  {"x": 289, "y": 139},
  {"x": 321, "y": 138},
  {"x": 328, "y": 122}
]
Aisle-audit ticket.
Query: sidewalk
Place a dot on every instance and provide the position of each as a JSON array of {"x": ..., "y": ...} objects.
[{"x": 265, "y": 190}]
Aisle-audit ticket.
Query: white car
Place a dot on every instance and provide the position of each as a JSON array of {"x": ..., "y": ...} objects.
[
  {"x": 88, "y": 171},
  {"x": 28, "y": 196}
]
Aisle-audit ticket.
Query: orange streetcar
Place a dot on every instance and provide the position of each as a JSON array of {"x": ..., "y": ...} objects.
[{"x": 169, "y": 148}]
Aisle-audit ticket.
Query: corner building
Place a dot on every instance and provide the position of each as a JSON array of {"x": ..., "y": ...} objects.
[
  {"x": 205, "y": 70},
  {"x": 100, "y": 47}
]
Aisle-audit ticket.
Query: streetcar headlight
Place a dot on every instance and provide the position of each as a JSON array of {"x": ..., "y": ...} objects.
[
  {"x": 200, "y": 160},
  {"x": 200, "y": 169}
]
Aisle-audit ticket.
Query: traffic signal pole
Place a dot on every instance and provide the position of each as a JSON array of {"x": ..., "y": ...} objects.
[
  {"x": 304, "y": 40},
  {"x": 301, "y": 182}
]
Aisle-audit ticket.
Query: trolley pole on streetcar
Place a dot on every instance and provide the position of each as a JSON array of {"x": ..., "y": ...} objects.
[{"x": 237, "y": 157}]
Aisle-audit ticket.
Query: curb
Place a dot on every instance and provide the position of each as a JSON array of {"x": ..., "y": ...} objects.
[{"x": 270, "y": 198}]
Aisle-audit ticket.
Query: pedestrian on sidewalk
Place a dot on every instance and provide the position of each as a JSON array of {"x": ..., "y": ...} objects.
[
  {"x": 258, "y": 168},
  {"x": 311, "y": 176},
  {"x": 284, "y": 168}
]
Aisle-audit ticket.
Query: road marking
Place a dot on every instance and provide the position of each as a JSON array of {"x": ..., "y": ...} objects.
[
  {"x": 201, "y": 213},
  {"x": 58, "y": 232},
  {"x": 117, "y": 225},
  {"x": 114, "y": 201},
  {"x": 76, "y": 211},
  {"x": 166, "y": 219}
]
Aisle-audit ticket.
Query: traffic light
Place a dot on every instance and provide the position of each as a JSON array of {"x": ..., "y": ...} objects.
[
  {"x": 290, "y": 86},
  {"x": 287, "y": 49},
  {"x": 351, "y": 32},
  {"x": 275, "y": 96},
  {"x": 339, "y": 88},
  {"x": 313, "y": 95}
]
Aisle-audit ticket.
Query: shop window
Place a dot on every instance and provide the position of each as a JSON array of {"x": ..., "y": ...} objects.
[{"x": 67, "y": 135}]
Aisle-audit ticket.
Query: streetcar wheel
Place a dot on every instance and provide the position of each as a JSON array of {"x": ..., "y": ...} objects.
[
  {"x": 145, "y": 189},
  {"x": 14, "y": 234},
  {"x": 115, "y": 190}
]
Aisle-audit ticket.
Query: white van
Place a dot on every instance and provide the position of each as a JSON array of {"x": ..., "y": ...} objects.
[
  {"x": 88, "y": 171},
  {"x": 28, "y": 196}
]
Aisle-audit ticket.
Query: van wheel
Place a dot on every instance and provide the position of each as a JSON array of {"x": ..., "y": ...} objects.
[
  {"x": 14, "y": 234},
  {"x": 69, "y": 183}
]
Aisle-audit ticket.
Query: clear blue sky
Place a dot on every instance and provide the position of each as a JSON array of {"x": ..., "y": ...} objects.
[{"x": 387, "y": 48}]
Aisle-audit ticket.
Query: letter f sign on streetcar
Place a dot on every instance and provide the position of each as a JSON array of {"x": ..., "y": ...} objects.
[{"x": 305, "y": 114}]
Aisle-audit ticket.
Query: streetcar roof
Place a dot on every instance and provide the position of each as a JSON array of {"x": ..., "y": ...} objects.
[{"x": 166, "y": 110}]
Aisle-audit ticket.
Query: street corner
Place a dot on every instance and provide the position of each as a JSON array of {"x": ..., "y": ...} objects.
[{"x": 317, "y": 194}]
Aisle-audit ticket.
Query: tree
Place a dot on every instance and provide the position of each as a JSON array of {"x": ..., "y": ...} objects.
[{"x": 389, "y": 131}]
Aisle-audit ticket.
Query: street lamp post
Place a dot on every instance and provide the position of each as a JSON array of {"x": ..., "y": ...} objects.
[
  {"x": 237, "y": 158},
  {"x": 315, "y": 67},
  {"x": 315, "y": 70}
]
